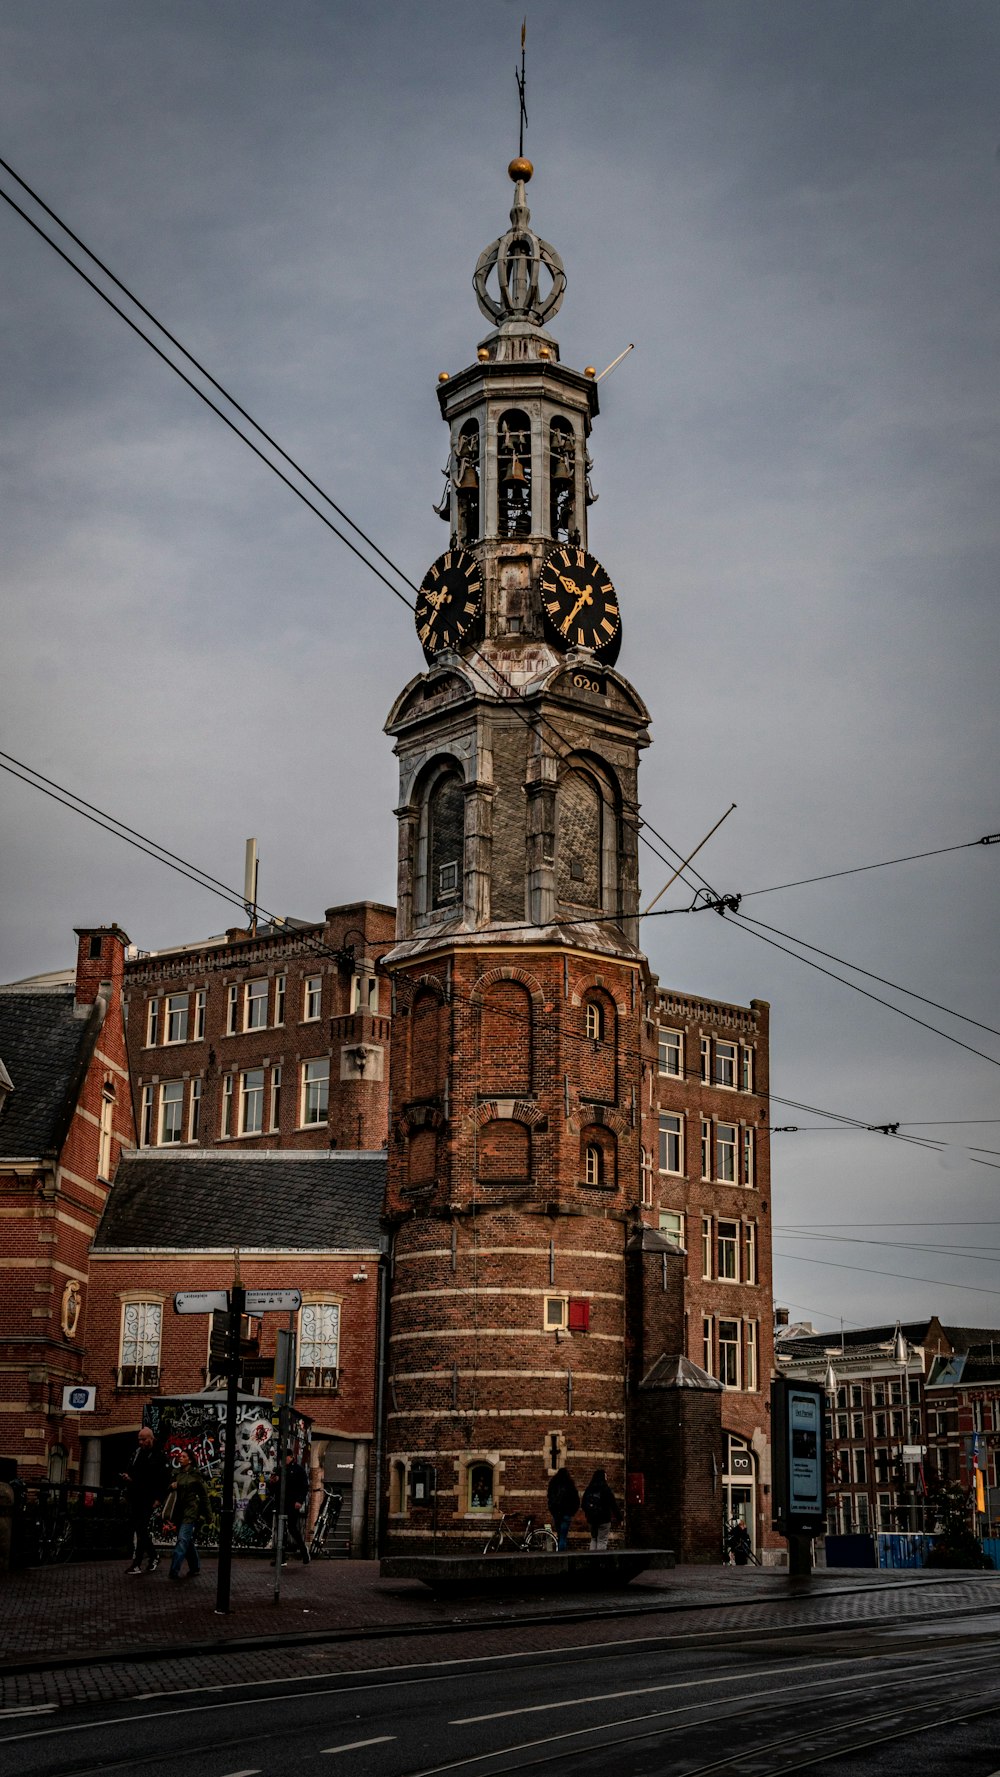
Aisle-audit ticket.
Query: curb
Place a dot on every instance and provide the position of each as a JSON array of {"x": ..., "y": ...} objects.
[{"x": 172, "y": 1650}]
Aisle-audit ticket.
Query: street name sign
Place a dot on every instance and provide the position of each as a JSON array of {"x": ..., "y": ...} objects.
[
  {"x": 200, "y": 1301},
  {"x": 273, "y": 1301}
]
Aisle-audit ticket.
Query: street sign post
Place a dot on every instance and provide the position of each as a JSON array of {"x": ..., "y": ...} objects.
[{"x": 201, "y": 1301}]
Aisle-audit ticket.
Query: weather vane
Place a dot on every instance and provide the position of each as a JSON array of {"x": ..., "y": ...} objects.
[{"x": 519, "y": 77}]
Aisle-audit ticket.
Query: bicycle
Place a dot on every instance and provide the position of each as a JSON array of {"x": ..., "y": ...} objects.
[
  {"x": 53, "y": 1530},
  {"x": 326, "y": 1520},
  {"x": 537, "y": 1539}
]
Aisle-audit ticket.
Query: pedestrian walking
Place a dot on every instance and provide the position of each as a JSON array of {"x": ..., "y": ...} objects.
[
  {"x": 191, "y": 1511},
  {"x": 739, "y": 1544},
  {"x": 600, "y": 1508},
  {"x": 147, "y": 1483},
  {"x": 296, "y": 1500},
  {"x": 564, "y": 1503}
]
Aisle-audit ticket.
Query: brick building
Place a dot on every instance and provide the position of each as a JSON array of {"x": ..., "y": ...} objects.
[
  {"x": 307, "y": 1221},
  {"x": 276, "y": 1038},
  {"x": 65, "y": 1117},
  {"x": 578, "y": 1224}
]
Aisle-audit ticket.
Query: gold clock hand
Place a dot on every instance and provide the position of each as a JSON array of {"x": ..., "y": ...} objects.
[{"x": 585, "y": 598}]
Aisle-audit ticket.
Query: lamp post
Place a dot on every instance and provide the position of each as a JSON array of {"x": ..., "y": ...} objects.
[{"x": 830, "y": 1384}]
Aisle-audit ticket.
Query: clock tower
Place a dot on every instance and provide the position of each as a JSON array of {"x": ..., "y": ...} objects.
[{"x": 514, "y": 1139}]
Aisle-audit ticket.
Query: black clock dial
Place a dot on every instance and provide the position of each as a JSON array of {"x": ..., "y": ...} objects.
[
  {"x": 580, "y": 603},
  {"x": 449, "y": 602}
]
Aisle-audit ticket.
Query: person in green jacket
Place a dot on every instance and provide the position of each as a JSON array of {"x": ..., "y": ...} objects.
[{"x": 191, "y": 1510}]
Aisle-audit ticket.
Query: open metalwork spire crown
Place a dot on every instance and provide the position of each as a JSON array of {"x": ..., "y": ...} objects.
[{"x": 522, "y": 260}]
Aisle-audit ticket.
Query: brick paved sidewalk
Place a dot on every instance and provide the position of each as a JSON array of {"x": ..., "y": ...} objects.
[{"x": 91, "y": 1609}]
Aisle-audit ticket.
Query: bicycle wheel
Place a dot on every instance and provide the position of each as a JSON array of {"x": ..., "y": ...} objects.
[
  {"x": 495, "y": 1543},
  {"x": 543, "y": 1541},
  {"x": 318, "y": 1538}
]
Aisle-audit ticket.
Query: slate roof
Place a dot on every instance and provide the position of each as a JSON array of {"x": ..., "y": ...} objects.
[
  {"x": 45, "y": 1049},
  {"x": 265, "y": 1200},
  {"x": 673, "y": 1371}
]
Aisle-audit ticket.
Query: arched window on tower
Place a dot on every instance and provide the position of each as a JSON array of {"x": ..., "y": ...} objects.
[
  {"x": 580, "y": 840},
  {"x": 446, "y": 840},
  {"x": 505, "y": 1021},
  {"x": 562, "y": 482},
  {"x": 514, "y": 473},
  {"x": 467, "y": 482}
]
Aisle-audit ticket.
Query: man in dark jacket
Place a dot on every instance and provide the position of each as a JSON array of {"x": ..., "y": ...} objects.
[
  {"x": 600, "y": 1508},
  {"x": 193, "y": 1509},
  {"x": 147, "y": 1482},
  {"x": 564, "y": 1503}
]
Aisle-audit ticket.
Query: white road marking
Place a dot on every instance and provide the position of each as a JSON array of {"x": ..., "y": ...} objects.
[
  {"x": 254, "y": 1773},
  {"x": 352, "y": 1745},
  {"x": 27, "y": 1709}
]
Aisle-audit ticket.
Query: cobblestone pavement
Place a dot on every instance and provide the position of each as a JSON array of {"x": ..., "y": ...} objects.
[{"x": 72, "y": 1634}]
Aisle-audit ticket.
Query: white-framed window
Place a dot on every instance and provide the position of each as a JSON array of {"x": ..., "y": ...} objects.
[
  {"x": 364, "y": 993},
  {"x": 706, "y": 1060},
  {"x": 279, "y": 999},
  {"x": 707, "y": 1358},
  {"x": 592, "y": 1165},
  {"x": 670, "y": 1053},
  {"x": 671, "y": 1142},
  {"x": 556, "y": 1312},
  {"x": 729, "y": 1353},
  {"x": 725, "y": 1153},
  {"x": 725, "y": 1064},
  {"x": 885, "y": 1511},
  {"x": 749, "y": 1252},
  {"x": 152, "y": 1023},
  {"x": 319, "y": 1344},
  {"x": 746, "y": 1069},
  {"x": 146, "y": 1118},
  {"x": 595, "y": 1020},
  {"x": 863, "y": 1513},
  {"x": 200, "y": 1000},
  {"x": 748, "y": 1157},
  {"x": 252, "y": 1101},
  {"x": 275, "y": 1122},
  {"x": 706, "y": 1246},
  {"x": 672, "y": 1224},
  {"x": 312, "y": 998},
  {"x": 646, "y": 1170},
  {"x": 728, "y": 1251},
  {"x": 177, "y": 1018},
  {"x": 752, "y": 1366},
  {"x": 171, "y": 1112},
  {"x": 315, "y": 1092},
  {"x": 706, "y": 1148},
  {"x": 139, "y": 1354},
  {"x": 226, "y": 1126},
  {"x": 859, "y": 1466},
  {"x": 233, "y": 1010},
  {"x": 447, "y": 882},
  {"x": 104, "y": 1132},
  {"x": 194, "y": 1111},
  {"x": 255, "y": 1005}
]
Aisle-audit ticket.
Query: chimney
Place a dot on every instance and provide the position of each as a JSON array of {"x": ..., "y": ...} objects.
[
  {"x": 781, "y": 1317},
  {"x": 100, "y": 963}
]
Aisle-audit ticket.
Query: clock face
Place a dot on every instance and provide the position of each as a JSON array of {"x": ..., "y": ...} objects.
[
  {"x": 580, "y": 603},
  {"x": 449, "y": 602}
]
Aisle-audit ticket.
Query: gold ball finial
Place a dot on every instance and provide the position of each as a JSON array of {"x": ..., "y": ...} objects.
[
  {"x": 483, "y": 355},
  {"x": 544, "y": 351},
  {"x": 590, "y": 370},
  {"x": 520, "y": 168},
  {"x": 443, "y": 378}
]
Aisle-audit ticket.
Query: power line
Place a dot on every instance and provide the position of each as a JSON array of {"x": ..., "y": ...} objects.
[
  {"x": 913, "y": 1019},
  {"x": 858, "y": 869},
  {"x": 917, "y": 1246},
  {"x": 858, "y": 970},
  {"x": 904, "y": 1276}
]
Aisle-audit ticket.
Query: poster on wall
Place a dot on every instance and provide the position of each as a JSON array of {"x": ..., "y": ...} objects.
[{"x": 197, "y": 1424}]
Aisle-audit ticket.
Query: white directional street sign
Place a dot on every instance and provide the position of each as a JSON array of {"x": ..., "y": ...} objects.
[
  {"x": 273, "y": 1301},
  {"x": 200, "y": 1301}
]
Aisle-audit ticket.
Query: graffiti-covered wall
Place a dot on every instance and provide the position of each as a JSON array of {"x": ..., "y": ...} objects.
[{"x": 197, "y": 1424}]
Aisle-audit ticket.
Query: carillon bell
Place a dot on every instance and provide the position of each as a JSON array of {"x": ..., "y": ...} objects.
[
  {"x": 562, "y": 469},
  {"x": 469, "y": 478},
  {"x": 515, "y": 472}
]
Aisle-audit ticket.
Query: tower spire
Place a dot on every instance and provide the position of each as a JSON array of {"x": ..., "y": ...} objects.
[{"x": 522, "y": 109}]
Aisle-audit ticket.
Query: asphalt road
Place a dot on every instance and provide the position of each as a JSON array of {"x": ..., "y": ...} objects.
[{"x": 854, "y": 1698}]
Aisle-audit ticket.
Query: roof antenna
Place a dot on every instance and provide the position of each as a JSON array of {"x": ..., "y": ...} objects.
[{"x": 519, "y": 77}]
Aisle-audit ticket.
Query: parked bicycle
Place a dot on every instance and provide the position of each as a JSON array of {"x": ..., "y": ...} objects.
[
  {"x": 536, "y": 1539},
  {"x": 326, "y": 1519},
  {"x": 53, "y": 1528}
]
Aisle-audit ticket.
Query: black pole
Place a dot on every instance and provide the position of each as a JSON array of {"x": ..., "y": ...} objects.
[{"x": 237, "y": 1303}]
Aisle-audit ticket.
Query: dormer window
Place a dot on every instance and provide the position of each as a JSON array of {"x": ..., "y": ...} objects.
[
  {"x": 562, "y": 481},
  {"x": 514, "y": 474}
]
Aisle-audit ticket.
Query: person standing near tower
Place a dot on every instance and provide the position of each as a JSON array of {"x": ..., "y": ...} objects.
[
  {"x": 564, "y": 1503},
  {"x": 147, "y": 1480}
]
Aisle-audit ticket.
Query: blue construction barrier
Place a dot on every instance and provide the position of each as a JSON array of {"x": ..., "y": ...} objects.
[{"x": 904, "y": 1549}]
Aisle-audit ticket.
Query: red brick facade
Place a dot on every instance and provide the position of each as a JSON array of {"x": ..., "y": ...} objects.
[{"x": 51, "y": 1202}]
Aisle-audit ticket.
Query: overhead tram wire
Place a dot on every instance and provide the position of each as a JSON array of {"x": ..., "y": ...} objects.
[
  {"x": 859, "y": 869},
  {"x": 868, "y": 1271},
  {"x": 494, "y": 673}
]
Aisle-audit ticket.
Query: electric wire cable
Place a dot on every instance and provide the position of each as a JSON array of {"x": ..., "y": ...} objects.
[
  {"x": 859, "y": 869},
  {"x": 868, "y": 1271}
]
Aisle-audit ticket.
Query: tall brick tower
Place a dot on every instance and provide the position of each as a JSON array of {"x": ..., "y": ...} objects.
[{"x": 514, "y": 1142}]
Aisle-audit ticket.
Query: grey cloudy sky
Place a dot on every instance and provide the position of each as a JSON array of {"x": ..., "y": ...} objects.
[{"x": 792, "y": 210}]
